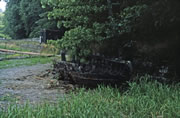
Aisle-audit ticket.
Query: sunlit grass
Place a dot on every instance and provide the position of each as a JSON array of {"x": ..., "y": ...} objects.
[
  {"x": 7, "y": 56},
  {"x": 26, "y": 61},
  {"x": 12, "y": 46},
  {"x": 28, "y": 46},
  {"x": 148, "y": 99}
]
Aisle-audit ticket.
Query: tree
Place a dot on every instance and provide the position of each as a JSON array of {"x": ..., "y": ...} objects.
[
  {"x": 29, "y": 12},
  {"x": 26, "y": 18},
  {"x": 34, "y": 17},
  {"x": 1, "y": 25},
  {"x": 80, "y": 17},
  {"x": 14, "y": 27}
]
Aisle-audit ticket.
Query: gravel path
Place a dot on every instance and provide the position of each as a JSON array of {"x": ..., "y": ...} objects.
[{"x": 28, "y": 83}]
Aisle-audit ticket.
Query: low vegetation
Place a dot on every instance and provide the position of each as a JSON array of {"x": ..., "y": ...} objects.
[
  {"x": 9, "y": 56},
  {"x": 25, "y": 61},
  {"x": 145, "y": 99},
  {"x": 8, "y": 97},
  {"x": 28, "y": 46},
  {"x": 20, "y": 45}
]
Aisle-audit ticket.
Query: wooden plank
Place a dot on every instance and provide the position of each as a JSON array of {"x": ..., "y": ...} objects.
[{"x": 28, "y": 53}]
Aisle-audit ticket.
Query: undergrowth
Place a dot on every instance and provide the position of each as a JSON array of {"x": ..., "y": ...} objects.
[{"x": 147, "y": 99}]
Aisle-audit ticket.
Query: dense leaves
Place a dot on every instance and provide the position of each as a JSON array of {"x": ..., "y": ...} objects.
[
  {"x": 13, "y": 23},
  {"x": 2, "y": 26},
  {"x": 86, "y": 21},
  {"x": 29, "y": 11},
  {"x": 25, "y": 18}
]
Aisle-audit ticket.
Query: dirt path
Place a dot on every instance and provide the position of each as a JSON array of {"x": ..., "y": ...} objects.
[{"x": 27, "y": 83}]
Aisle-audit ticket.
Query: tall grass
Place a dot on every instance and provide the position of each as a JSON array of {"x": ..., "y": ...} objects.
[{"x": 144, "y": 100}]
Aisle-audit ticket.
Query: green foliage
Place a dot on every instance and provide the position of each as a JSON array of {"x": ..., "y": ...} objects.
[
  {"x": 43, "y": 23},
  {"x": 80, "y": 18},
  {"x": 78, "y": 39},
  {"x": 89, "y": 23},
  {"x": 2, "y": 34},
  {"x": 25, "y": 18},
  {"x": 29, "y": 12},
  {"x": 14, "y": 27},
  {"x": 144, "y": 100},
  {"x": 135, "y": 18},
  {"x": 129, "y": 16},
  {"x": 1, "y": 19}
]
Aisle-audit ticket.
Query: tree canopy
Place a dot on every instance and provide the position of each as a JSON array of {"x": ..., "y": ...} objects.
[
  {"x": 25, "y": 18},
  {"x": 14, "y": 26}
]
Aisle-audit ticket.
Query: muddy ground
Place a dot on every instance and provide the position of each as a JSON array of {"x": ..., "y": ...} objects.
[{"x": 29, "y": 83}]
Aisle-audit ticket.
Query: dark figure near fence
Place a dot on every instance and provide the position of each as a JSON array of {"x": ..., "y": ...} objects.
[
  {"x": 63, "y": 55},
  {"x": 47, "y": 34}
]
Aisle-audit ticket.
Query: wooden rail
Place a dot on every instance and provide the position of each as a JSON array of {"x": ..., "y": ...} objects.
[{"x": 28, "y": 53}]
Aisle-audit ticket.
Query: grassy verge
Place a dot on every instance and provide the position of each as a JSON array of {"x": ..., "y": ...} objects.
[
  {"x": 13, "y": 45},
  {"x": 144, "y": 100},
  {"x": 13, "y": 55},
  {"x": 28, "y": 46},
  {"x": 26, "y": 61}
]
